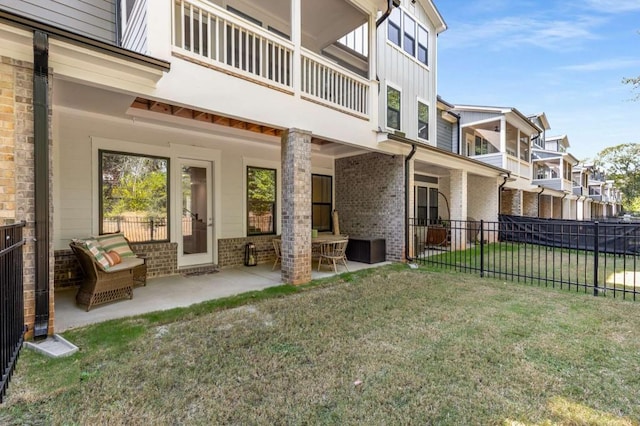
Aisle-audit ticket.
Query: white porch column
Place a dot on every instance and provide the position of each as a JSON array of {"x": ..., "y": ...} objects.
[
  {"x": 458, "y": 207},
  {"x": 296, "y": 206}
]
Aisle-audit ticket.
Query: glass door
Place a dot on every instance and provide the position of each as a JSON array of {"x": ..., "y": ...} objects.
[{"x": 195, "y": 239}]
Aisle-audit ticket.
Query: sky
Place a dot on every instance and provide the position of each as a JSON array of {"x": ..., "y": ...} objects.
[{"x": 566, "y": 58}]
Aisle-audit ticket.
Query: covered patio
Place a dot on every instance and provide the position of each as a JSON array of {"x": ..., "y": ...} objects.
[{"x": 180, "y": 291}]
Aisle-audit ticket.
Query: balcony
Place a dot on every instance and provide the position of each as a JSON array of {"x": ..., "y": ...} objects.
[{"x": 208, "y": 35}]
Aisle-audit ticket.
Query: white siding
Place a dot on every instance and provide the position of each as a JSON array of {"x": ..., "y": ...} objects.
[{"x": 416, "y": 80}]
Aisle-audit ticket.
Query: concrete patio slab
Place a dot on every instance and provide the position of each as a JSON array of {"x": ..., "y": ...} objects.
[{"x": 177, "y": 291}]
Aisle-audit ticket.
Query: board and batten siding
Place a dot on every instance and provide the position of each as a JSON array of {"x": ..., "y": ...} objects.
[
  {"x": 404, "y": 72},
  {"x": 95, "y": 19}
]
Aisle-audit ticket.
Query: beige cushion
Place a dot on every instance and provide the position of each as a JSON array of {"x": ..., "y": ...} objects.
[
  {"x": 127, "y": 263},
  {"x": 117, "y": 243}
]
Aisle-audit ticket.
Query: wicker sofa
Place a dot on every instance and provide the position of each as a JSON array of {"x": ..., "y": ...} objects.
[{"x": 106, "y": 284}]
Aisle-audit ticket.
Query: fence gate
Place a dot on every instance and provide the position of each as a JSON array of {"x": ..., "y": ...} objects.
[{"x": 12, "y": 327}]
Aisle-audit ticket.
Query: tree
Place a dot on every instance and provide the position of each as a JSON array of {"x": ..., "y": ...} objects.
[
  {"x": 622, "y": 164},
  {"x": 635, "y": 83}
]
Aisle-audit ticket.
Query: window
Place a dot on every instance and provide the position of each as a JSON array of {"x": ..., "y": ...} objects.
[
  {"x": 394, "y": 26},
  {"x": 401, "y": 31},
  {"x": 261, "y": 201},
  {"x": 134, "y": 191},
  {"x": 321, "y": 202},
  {"x": 423, "y": 45},
  {"x": 423, "y": 121},
  {"x": 409, "y": 39},
  {"x": 393, "y": 108},
  {"x": 426, "y": 205}
]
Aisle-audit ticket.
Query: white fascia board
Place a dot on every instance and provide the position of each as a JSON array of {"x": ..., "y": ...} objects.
[
  {"x": 77, "y": 63},
  {"x": 16, "y": 43}
]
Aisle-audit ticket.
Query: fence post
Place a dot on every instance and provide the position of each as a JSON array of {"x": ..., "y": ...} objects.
[
  {"x": 596, "y": 250},
  {"x": 481, "y": 248},
  {"x": 151, "y": 224}
]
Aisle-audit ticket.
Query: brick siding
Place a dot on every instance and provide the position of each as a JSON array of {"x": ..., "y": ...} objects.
[{"x": 370, "y": 199}]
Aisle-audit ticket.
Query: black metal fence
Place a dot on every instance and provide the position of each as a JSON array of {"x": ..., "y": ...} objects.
[
  {"x": 12, "y": 326},
  {"x": 602, "y": 258}
]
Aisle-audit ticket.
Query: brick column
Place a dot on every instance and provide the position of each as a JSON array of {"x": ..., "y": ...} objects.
[
  {"x": 296, "y": 206},
  {"x": 458, "y": 207}
]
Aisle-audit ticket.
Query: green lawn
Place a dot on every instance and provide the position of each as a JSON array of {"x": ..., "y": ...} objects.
[
  {"x": 572, "y": 269},
  {"x": 384, "y": 346}
]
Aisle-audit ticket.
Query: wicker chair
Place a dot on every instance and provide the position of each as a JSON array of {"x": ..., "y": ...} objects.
[{"x": 101, "y": 286}]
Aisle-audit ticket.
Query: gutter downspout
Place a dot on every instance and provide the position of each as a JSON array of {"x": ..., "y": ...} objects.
[
  {"x": 500, "y": 192},
  {"x": 406, "y": 202},
  {"x": 41, "y": 179},
  {"x": 390, "y": 5},
  {"x": 542, "y": 188}
]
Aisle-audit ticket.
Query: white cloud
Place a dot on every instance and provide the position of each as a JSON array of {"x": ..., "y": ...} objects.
[
  {"x": 514, "y": 31},
  {"x": 604, "y": 65},
  {"x": 613, "y": 6}
]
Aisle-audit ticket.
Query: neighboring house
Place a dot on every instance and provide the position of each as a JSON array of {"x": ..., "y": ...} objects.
[
  {"x": 552, "y": 169},
  {"x": 501, "y": 137},
  {"x": 580, "y": 181}
]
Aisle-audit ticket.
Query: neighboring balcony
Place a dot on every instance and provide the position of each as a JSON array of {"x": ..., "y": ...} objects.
[
  {"x": 553, "y": 174},
  {"x": 261, "y": 49}
]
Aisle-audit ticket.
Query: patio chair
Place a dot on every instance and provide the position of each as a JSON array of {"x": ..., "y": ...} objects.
[
  {"x": 103, "y": 283},
  {"x": 332, "y": 252},
  {"x": 277, "y": 247}
]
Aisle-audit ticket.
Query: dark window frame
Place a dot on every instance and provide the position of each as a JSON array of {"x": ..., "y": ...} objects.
[
  {"x": 394, "y": 111},
  {"x": 423, "y": 49},
  {"x": 274, "y": 207},
  {"x": 396, "y": 26},
  {"x": 330, "y": 203},
  {"x": 409, "y": 38},
  {"x": 422, "y": 122},
  {"x": 101, "y": 152}
]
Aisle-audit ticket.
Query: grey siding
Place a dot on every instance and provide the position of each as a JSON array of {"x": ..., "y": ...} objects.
[
  {"x": 494, "y": 160},
  {"x": 92, "y": 18},
  {"x": 549, "y": 183},
  {"x": 446, "y": 134}
]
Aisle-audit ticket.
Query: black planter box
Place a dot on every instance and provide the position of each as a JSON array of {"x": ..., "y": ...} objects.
[{"x": 366, "y": 250}]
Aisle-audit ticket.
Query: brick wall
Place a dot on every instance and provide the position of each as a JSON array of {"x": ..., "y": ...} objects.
[
  {"x": 17, "y": 197},
  {"x": 546, "y": 206},
  {"x": 162, "y": 258},
  {"x": 370, "y": 199},
  {"x": 482, "y": 198},
  {"x": 511, "y": 202},
  {"x": 231, "y": 250},
  {"x": 529, "y": 204}
]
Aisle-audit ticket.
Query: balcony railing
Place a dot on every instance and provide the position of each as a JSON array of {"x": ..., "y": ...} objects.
[
  {"x": 324, "y": 82},
  {"x": 209, "y": 35},
  {"x": 518, "y": 167}
]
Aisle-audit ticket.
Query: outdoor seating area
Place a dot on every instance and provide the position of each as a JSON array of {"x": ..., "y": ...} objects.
[
  {"x": 327, "y": 247},
  {"x": 111, "y": 269}
]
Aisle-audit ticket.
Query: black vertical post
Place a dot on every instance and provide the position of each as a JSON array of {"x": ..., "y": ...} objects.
[
  {"x": 596, "y": 252},
  {"x": 41, "y": 187},
  {"x": 481, "y": 248}
]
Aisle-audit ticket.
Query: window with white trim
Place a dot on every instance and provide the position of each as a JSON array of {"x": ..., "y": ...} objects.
[
  {"x": 393, "y": 108},
  {"x": 423, "y": 121},
  {"x": 405, "y": 32}
]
